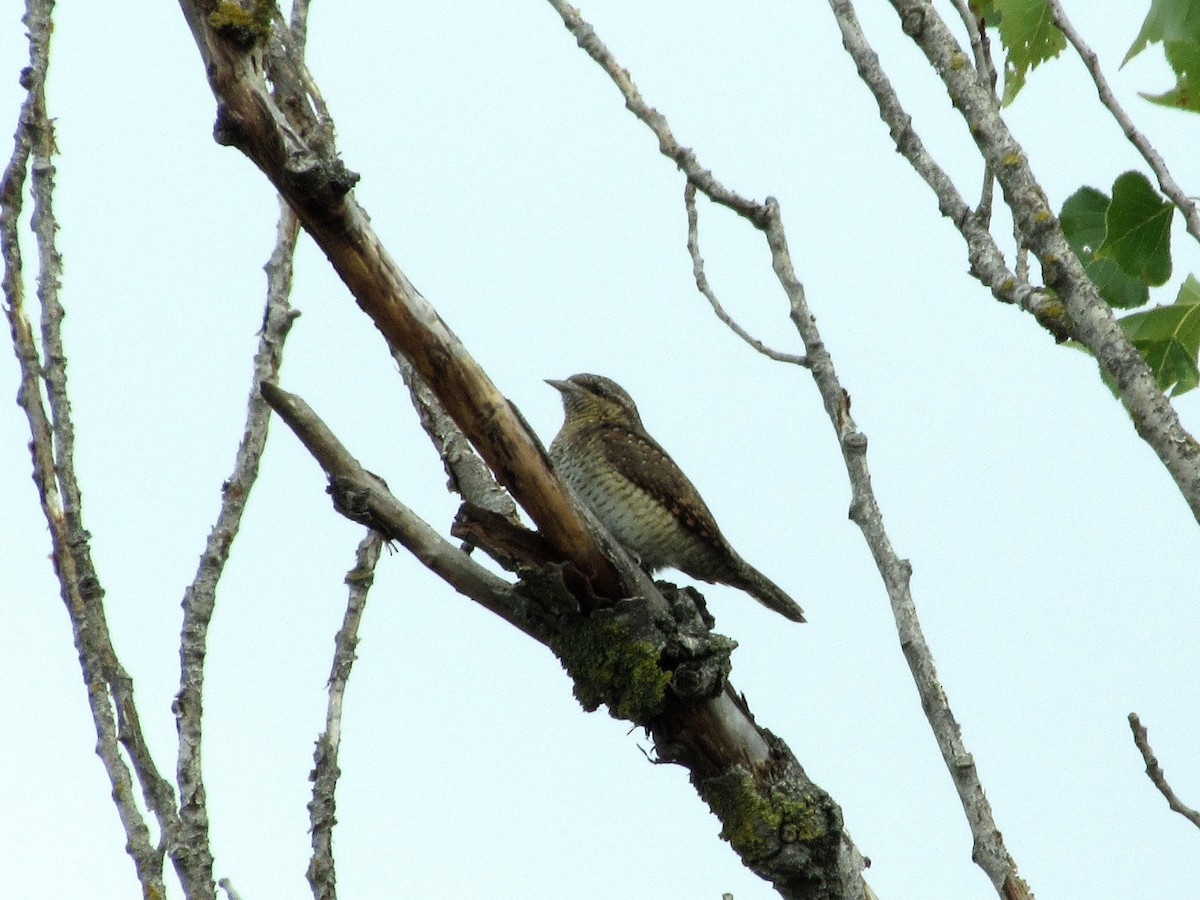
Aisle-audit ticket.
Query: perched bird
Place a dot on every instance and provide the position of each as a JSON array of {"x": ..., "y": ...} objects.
[{"x": 641, "y": 496}]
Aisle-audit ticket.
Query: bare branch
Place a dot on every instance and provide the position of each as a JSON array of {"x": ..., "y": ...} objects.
[
  {"x": 1142, "y": 740},
  {"x": 1153, "y": 159},
  {"x": 693, "y": 245},
  {"x": 989, "y": 852},
  {"x": 365, "y": 498},
  {"x": 683, "y": 157},
  {"x": 193, "y": 855},
  {"x": 44, "y": 383},
  {"x": 325, "y": 771}
]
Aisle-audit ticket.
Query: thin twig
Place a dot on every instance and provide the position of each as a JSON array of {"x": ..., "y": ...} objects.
[
  {"x": 693, "y": 245},
  {"x": 193, "y": 854},
  {"x": 980, "y": 45},
  {"x": 990, "y": 852},
  {"x": 1153, "y": 159},
  {"x": 682, "y": 156},
  {"x": 1142, "y": 740},
  {"x": 982, "y": 52},
  {"x": 322, "y": 808},
  {"x": 987, "y": 264}
]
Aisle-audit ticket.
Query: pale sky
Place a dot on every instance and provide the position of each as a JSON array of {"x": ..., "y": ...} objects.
[{"x": 1053, "y": 559}]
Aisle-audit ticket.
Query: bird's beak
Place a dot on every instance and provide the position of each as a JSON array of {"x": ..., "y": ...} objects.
[{"x": 564, "y": 387}]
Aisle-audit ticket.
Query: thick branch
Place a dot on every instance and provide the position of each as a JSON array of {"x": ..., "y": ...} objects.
[{"x": 315, "y": 183}]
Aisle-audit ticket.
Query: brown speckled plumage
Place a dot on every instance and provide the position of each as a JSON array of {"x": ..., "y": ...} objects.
[{"x": 634, "y": 487}]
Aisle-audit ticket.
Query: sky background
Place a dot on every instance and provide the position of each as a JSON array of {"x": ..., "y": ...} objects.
[{"x": 1053, "y": 558}]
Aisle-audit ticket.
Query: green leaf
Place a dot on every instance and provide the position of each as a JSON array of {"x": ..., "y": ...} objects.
[
  {"x": 1169, "y": 339},
  {"x": 986, "y": 10},
  {"x": 1184, "y": 58},
  {"x": 1174, "y": 369},
  {"x": 1168, "y": 22},
  {"x": 1030, "y": 37},
  {"x": 1176, "y": 25},
  {"x": 1083, "y": 223},
  {"x": 1138, "y": 230}
]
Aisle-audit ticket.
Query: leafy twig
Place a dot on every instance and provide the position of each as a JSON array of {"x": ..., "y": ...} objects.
[
  {"x": 1081, "y": 314},
  {"x": 1153, "y": 158}
]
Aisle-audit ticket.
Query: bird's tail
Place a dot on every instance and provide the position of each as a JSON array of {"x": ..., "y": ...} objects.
[{"x": 766, "y": 592}]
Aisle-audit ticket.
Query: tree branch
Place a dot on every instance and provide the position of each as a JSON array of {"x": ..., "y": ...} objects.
[
  {"x": 364, "y": 497},
  {"x": 1083, "y": 315},
  {"x": 693, "y": 244},
  {"x": 1141, "y": 740},
  {"x": 325, "y": 773},
  {"x": 191, "y": 851}
]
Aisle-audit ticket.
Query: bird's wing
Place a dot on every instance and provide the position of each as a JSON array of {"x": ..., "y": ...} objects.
[{"x": 649, "y": 467}]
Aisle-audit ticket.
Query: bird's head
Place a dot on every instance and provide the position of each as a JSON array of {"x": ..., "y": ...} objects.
[{"x": 596, "y": 398}]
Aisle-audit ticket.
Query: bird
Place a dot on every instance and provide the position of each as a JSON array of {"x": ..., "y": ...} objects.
[{"x": 614, "y": 467}]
